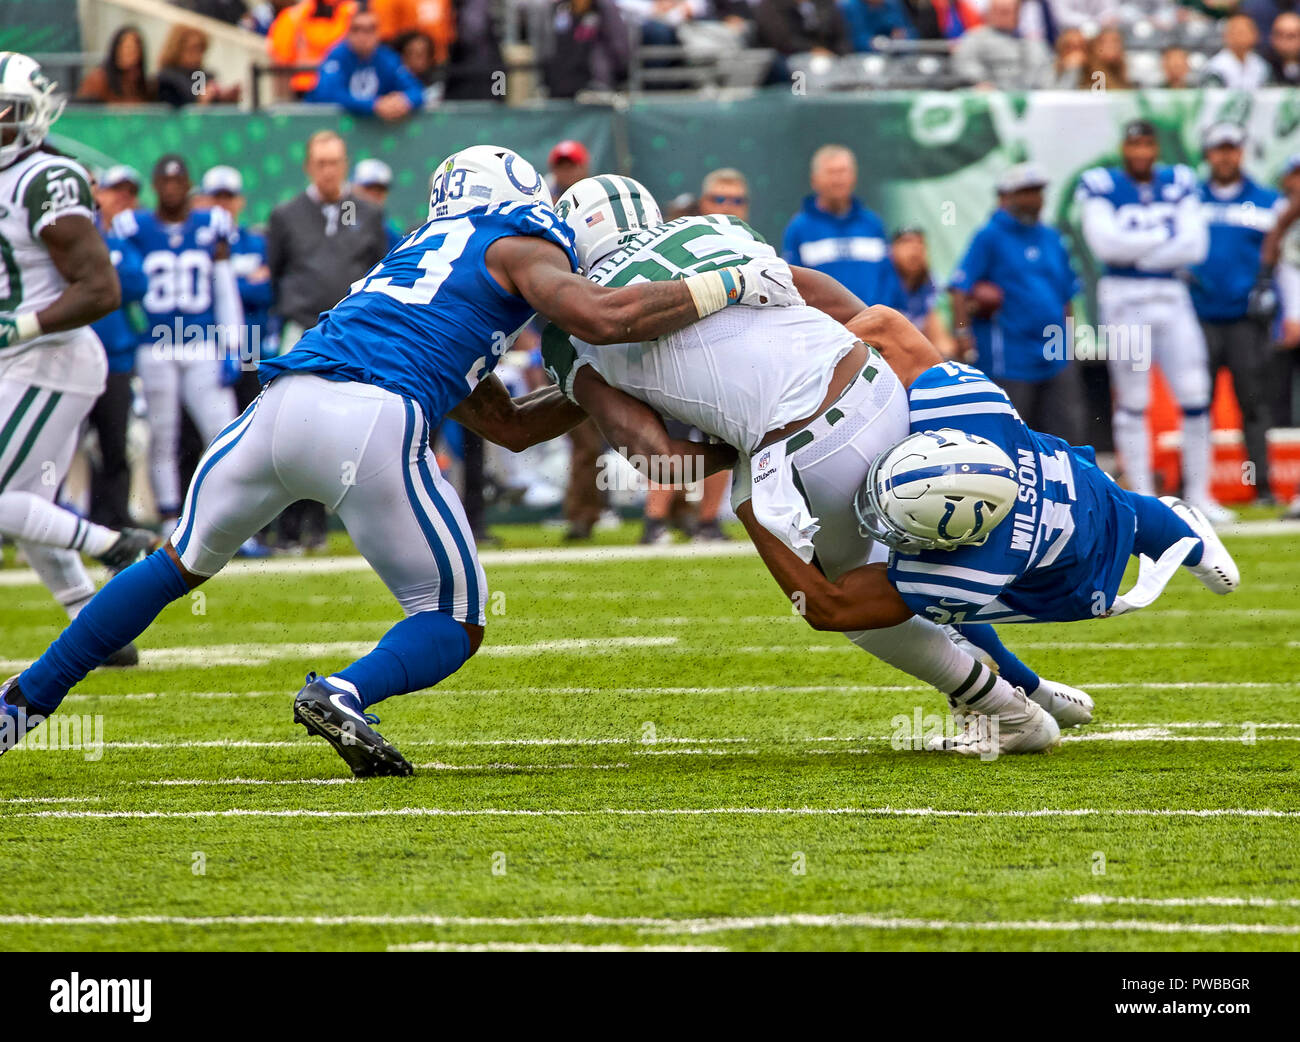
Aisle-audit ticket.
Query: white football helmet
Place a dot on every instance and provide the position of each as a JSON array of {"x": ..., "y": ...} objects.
[
  {"x": 604, "y": 213},
  {"x": 483, "y": 175},
  {"x": 936, "y": 491},
  {"x": 29, "y": 103}
]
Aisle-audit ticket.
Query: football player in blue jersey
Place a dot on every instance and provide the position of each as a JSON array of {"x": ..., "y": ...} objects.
[
  {"x": 344, "y": 419},
  {"x": 989, "y": 521},
  {"x": 1143, "y": 221},
  {"x": 194, "y": 316}
]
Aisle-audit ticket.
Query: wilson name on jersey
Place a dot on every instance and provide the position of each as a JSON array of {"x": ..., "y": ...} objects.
[
  {"x": 1058, "y": 556},
  {"x": 429, "y": 320}
]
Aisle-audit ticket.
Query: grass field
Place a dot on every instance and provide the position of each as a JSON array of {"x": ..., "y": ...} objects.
[{"x": 654, "y": 752}]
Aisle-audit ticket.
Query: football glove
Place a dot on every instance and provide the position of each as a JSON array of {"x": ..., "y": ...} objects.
[
  {"x": 766, "y": 282},
  {"x": 14, "y": 329},
  {"x": 1262, "y": 303}
]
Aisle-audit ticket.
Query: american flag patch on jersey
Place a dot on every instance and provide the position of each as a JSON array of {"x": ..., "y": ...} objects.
[{"x": 594, "y": 219}]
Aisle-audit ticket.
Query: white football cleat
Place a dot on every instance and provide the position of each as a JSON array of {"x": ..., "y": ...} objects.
[
  {"x": 1215, "y": 512},
  {"x": 1026, "y": 728},
  {"x": 1069, "y": 706},
  {"x": 1217, "y": 570}
]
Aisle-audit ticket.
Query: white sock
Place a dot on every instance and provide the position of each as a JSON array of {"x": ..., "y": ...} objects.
[
  {"x": 62, "y": 573},
  {"x": 27, "y": 517},
  {"x": 920, "y": 648},
  {"x": 1133, "y": 443},
  {"x": 1196, "y": 457}
]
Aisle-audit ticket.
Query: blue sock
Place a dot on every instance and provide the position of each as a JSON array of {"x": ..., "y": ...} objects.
[
  {"x": 115, "y": 616},
  {"x": 1010, "y": 668},
  {"x": 418, "y": 652},
  {"x": 1158, "y": 528}
]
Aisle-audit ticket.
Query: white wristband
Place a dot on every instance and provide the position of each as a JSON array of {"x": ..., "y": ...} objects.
[
  {"x": 27, "y": 326},
  {"x": 709, "y": 292}
]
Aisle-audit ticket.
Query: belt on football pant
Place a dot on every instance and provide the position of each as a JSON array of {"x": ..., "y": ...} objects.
[{"x": 840, "y": 409}]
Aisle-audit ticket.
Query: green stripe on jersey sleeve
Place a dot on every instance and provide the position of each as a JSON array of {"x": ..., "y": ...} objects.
[{"x": 53, "y": 191}]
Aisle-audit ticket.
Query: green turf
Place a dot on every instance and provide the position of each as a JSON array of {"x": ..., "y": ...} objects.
[{"x": 749, "y": 709}]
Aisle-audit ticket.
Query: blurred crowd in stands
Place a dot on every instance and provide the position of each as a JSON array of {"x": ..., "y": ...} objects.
[{"x": 387, "y": 57}]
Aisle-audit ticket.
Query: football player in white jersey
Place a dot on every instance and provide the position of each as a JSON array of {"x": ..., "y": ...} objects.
[
  {"x": 795, "y": 393},
  {"x": 55, "y": 278},
  {"x": 1143, "y": 221}
]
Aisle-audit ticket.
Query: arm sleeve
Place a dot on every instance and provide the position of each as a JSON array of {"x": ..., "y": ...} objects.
[
  {"x": 1187, "y": 246},
  {"x": 973, "y": 266},
  {"x": 130, "y": 272},
  {"x": 398, "y": 78},
  {"x": 1112, "y": 244}
]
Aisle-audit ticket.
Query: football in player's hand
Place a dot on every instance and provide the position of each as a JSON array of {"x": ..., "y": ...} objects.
[{"x": 985, "y": 299}]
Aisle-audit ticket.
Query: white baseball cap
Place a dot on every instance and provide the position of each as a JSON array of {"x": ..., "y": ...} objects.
[
  {"x": 372, "y": 172},
  {"x": 1020, "y": 176},
  {"x": 222, "y": 179},
  {"x": 120, "y": 175}
]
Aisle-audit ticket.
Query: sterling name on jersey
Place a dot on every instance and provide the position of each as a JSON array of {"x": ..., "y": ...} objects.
[
  {"x": 177, "y": 261},
  {"x": 35, "y": 191},
  {"x": 1141, "y": 205},
  {"x": 1058, "y": 556},
  {"x": 736, "y": 374},
  {"x": 429, "y": 320}
]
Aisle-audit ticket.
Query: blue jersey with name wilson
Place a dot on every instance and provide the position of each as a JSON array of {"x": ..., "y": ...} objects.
[
  {"x": 1058, "y": 556},
  {"x": 1141, "y": 205},
  {"x": 177, "y": 262},
  {"x": 429, "y": 320}
]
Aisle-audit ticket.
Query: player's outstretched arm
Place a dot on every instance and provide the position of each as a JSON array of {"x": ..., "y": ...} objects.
[
  {"x": 539, "y": 272},
  {"x": 516, "y": 423},
  {"x": 904, "y": 347},
  {"x": 81, "y": 257},
  {"x": 826, "y": 294},
  {"x": 862, "y": 599},
  {"x": 638, "y": 432}
]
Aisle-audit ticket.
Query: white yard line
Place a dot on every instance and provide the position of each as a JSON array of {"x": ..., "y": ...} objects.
[
  {"x": 515, "y": 946},
  {"x": 653, "y": 812},
  {"x": 662, "y": 925},
  {"x": 255, "y": 654},
  {"x": 1188, "y": 902}
]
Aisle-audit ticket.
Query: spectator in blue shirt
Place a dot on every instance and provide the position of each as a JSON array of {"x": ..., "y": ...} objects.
[
  {"x": 110, "y": 480},
  {"x": 1011, "y": 296},
  {"x": 911, "y": 257},
  {"x": 1231, "y": 290},
  {"x": 868, "y": 19},
  {"x": 365, "y": 77},
  {"x": 834, "y": 233},
  {"x": 371, "y": 179}
]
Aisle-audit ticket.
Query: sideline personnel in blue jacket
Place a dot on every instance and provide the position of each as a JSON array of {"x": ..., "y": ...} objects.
[
  {"x": 833, "y": 232},
  {"x": 1232, "y": 292}
]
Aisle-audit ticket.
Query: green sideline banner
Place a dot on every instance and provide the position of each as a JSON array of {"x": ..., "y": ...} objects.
[{"x": 925, "y": 158}]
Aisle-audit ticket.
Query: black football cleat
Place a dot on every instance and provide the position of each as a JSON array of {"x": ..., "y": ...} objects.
[
  {"x": 16, "y": 716},
  {"x": 123, "y": 657},
  {"x": 334, "y": 715},
  {"x": 131, "y": 544}
]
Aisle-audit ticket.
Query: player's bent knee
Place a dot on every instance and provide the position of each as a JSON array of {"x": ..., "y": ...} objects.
[
  {"x": 192, "y": 580},
  {"x": 475, "y": 634}
]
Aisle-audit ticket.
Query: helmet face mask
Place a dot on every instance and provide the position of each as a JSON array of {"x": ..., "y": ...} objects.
[
  {"x": 29, "y": 104},
  {"x": 481, "y": 176},
  {"x": 605, "y": 213},
  {"x": 938, "y": 490}
]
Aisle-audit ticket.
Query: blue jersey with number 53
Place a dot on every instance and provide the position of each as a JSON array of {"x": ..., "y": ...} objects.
[
  {"x": 428, "y": 321},
  {"x": 1058, "y": 556}
]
